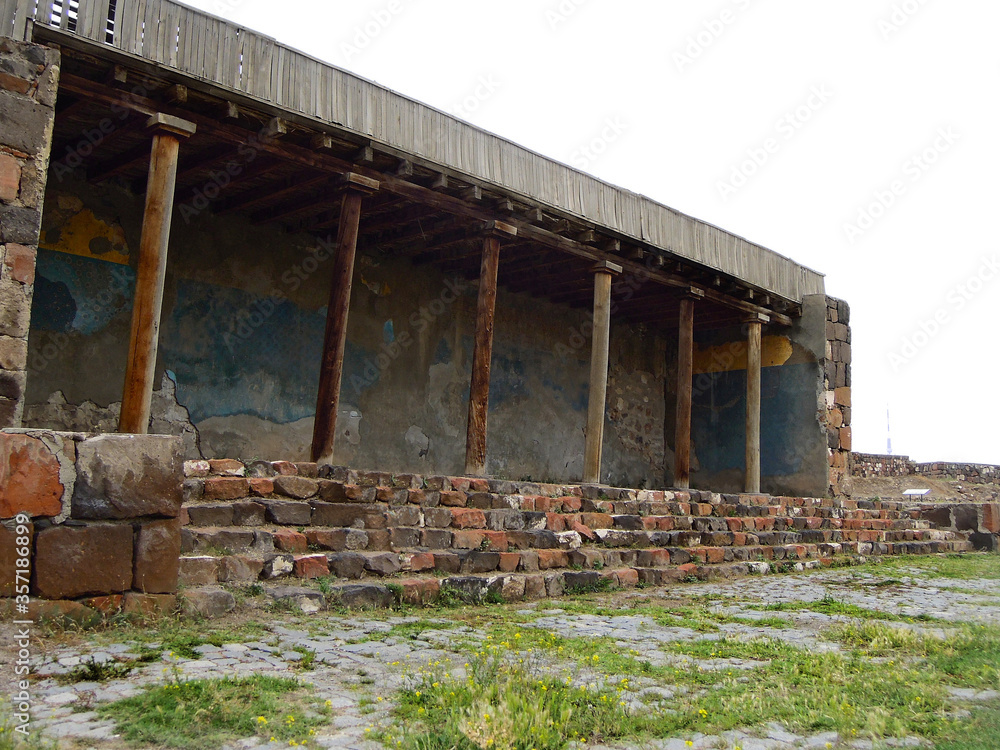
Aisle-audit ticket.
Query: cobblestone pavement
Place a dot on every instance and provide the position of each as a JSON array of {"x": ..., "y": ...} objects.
[{"x": 357, "y": 666}]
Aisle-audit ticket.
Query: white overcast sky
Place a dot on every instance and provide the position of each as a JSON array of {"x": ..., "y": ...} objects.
[{"x": 847, "y": 105}]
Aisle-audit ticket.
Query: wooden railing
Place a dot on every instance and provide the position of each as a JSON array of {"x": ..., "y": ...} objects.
[{"x": 212, "y": 49}]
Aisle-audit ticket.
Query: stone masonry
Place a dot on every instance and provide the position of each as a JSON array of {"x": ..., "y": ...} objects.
[
  {"x": 837, "y": 380},
  {"x": 29, "y": 76},
  {"x": 100, "y": 515}
]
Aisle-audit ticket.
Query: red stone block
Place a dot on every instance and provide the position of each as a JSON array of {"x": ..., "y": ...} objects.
[
  {"x": 417, "y": 497},
  {"x": 497, "y": 540},
  {"x": 420, "y": 590},
  {"x": 528, "y": 503},
  {"x": 10, "y": 177},
  {"x": 552, "y": 558},
  {"x": 584, "y": 531},
  {"x": 460, "y": 484},
  {"x": 479, "y": 485},
  {"x": 285, "y": 468},
  {"x": 509, "y": 561},
  {"x": 453, "y": 499},
  {"x": 555, "y": 521},
  {"x": 20, "y": 262},
  {"x": 157, "y": 553},
  {"x": 106, "y": 605},
  {"x": 287, "y": 540},
  {"x": 991, "y": 518},
  {"x": 261, "y": 487},
  {"x": 29, "y": 477},
  {"x": 226, "y": 488},
  {"x": 626, "y": 577},
  {"x": 421, "y": 561},
  {"x": 229, "y": 467},
  {"x": 311, "y": 566},
  {"x": 467, "y": 539},
  {"x": 467, "y": 518},
  {"x": 571, "y": 504},
  {"x": 597, "y": 520}
]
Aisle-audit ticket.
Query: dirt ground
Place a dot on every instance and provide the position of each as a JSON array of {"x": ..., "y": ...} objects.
[{"x": 941, "y": 489}]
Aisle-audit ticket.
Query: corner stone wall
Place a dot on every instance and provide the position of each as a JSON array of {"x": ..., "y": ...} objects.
[
  {"x": 29, "y": 76},
  {"x": 837, "y": 380},
  {"x": 101, "y": 514}
]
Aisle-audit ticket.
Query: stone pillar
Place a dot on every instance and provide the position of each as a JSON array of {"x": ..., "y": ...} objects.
[
  {"x": 837, "y": 380},
  {"x": 28, "y": 87},
  {"x": 685, "y": 377},
  {"x": 752, "y": 480},
  {"x": 482, "y": 353},
  {"x": 139, "y": 372},
  {"x": 603, "y": 273},
  {"x": 356, "y": 187}
]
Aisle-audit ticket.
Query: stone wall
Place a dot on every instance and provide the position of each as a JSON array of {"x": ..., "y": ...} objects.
[
  {"x": 880, "y": 465},
  {"x": 837, "y": 380},
  {"x": 101, "y": 518},
  {"x": 980, "y": 521},
  {"x": 29, "y": 77}
]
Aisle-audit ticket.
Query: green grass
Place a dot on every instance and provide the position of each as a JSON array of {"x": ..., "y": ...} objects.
[
  {"x": 183, "y": 636},
  {"x": 11, "y": 739},
  {"x": 965, "y": 566},
  {"x": 981, "y": 732},
  {"x": 830, "y": 605},
  {"x": 204, "y": 714}
]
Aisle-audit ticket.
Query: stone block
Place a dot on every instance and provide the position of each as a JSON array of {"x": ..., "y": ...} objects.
[
  {"x": 209, "y": 602},
  {"x": 402, "y": 537},
  {"x": 288, "y": 512},
  {"x": 347, "y": 564},
  {"x": 311, "y": 566},
  {"x": 10, "y": 176},
  {"x": 239, "y": 569},
  {"x": 74, "y": 561},
  {"x": 991, "y": 518},
  {"x": 9, "y": 555},
  {"x": 226, "y": 488},
  {"x": 261, "y": 486},
  {"x": 20, "y": 262},
  {"x": 365, "y": 596},
  {"x": 248, "y": 514},
  {"x": 157, "y": 557},
  {"x": 287, "y": 540},
  {"x": 29, "y": 477},
  {"x": 215, "y": 514},
  {"x": 278, "y": 566},
  {"x": 24, "y": 123},
  {"x": 15, "y": 309},
  {"x": 13, "y": 353},
  {"x": 198, "y": 571},
  {"x": 148, "y": 606},
  {"x": 19, "y": 224},
  {"x": 842, "y": 396},
  {"x": 228, "y": 467},
  {"x": 128, "y": 476},
  {"x": 384, "y": 565},
  {"x": 420, "y": 591},
  {"x": 468, "y": 518},
  {"x": 296, "y": 487},
  {"x": 197, "y": 468}
]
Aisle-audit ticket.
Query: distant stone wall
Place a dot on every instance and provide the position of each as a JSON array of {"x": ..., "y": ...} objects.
[
  {"x": 29, "y": 78},
  {"x": 879, "y": 465},
  {"x": 89, "y": 524},
  {"x": 980, "y": 521}
]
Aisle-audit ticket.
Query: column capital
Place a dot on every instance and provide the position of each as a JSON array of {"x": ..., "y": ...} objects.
[
  {"x": 497, "y": 228},
  {"x": 165, "y": 124},
  {"x": 358, "y": 183},
  {"x": 606, "y": 266},
  {"x": 759, "y": 318}
]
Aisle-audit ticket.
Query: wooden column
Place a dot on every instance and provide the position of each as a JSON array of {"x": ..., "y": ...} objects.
[
  {"x": 355, "y": 188},
  {"x": 752, "y": 481},
  {"x": 685, "y": 378},
  {"x": 138, "y": 393},
  {"x": 482, "y": 352},
  {"x": 603, "y": 273}
]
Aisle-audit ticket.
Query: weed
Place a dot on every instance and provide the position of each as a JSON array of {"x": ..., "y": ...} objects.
[{"x": 202, "y": 714}]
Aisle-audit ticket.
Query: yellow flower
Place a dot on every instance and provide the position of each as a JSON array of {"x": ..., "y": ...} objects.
[{"x": 261, "y": 720}]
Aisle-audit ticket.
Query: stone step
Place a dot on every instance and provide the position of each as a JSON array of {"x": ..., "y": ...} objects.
[
  {"x": 358, "y": 589},
  {"x": 254, "y": 563}
]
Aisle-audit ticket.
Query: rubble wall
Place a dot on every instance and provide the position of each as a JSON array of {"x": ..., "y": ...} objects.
[{"x": 28, "y": 82}]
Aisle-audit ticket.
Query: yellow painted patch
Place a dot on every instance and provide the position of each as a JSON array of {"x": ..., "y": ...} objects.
[
  {"x": 82, "y": 232},
  {"x": 775, "y": 351}
]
